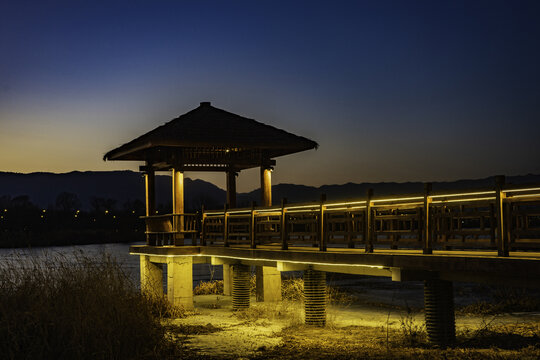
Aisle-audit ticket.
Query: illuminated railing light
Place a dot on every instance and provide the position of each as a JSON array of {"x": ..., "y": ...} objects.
[
  {"x": 302, "y": 207},
  {"x": 346, "y": 208},
  {"x": 267, "y": 213},
  {"x": 521, "y": 190},
  {"x": 523, "y": 195},
  {"x": 239, "y": 212},
  {"x": 463, "y": 194},
  {"x": 401, "y": 204},
  {"x": 302, "y": 211},
  {"x": 346, "y": 203},
  {"x": 268, "y": 210},
  {"x": 398, "y": 199},
  {"x": 460, "y": 200}
]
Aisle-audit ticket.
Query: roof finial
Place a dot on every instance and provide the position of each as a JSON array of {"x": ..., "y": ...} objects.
[{"x": 205, "y": 103}]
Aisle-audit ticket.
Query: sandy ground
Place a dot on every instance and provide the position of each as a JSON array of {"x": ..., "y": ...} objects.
[{"x": 214, "y": 330}]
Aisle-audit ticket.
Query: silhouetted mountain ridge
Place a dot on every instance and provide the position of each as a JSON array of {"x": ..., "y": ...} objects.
[{"x": 43, "y": 188}]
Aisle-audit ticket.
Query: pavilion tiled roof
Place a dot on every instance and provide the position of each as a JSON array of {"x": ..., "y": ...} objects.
[{"x": 210, "y": 127}]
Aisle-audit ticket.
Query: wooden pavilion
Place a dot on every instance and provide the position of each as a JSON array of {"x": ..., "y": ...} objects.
[{"x": 206, "y": 139}]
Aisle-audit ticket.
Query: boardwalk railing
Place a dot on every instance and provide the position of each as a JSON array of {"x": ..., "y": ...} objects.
[
  {"x": 504, "y": 218},
  {"x": 171, "y": 229}
]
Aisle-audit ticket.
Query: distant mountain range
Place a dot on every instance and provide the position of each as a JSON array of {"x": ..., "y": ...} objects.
[{"x": 124, "y": 186}]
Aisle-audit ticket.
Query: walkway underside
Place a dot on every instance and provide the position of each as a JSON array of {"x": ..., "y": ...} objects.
[{"x": 520, "y": 269}]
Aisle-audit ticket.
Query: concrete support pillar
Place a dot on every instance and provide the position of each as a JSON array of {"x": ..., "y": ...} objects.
[
  {"x": 315, "y": 297},
  {"x": 231, "y": 189},
  {"x": 268, "y": 284},
  {"x": 178, "y": 205},
  {"x": 439, "y": 310},
  {"x": 266, "y": 186},
  {"x": 150, "y": 198},
  {"x": 227, "y": 279},
  {"x": 241, "y": 287},
  {"x": 180, "y": 281},
  {"x": 151, "y": 277}
]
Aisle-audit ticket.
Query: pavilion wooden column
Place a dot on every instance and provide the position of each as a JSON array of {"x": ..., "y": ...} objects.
[
  {"x": 231, "y": 189},
  {"x": 266, "y": 279},
  {"x": 178, "y": 205},
  {"x": 266, "y": 186},
  {"x": 231, "y": 203},
  {"x": 150, "y": 197}
]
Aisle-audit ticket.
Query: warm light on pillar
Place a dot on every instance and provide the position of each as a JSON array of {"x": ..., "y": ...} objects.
[
  {"x": 266, "y": 186},
  {"x": 150, "y": 192},
  {"x": 178, "y": 205}
]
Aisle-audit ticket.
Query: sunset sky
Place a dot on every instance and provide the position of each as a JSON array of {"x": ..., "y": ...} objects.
[{"x": 391, "y": 90}]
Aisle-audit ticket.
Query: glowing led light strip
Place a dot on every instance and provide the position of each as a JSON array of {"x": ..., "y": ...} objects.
[
  {"x": 302, "y": 211},
  {"x": 398, "y": 199},
  {"x": 265, "y": 259},
  {"x": 464, "y": 194},
  {"x": 346, "y": 203},
  {"x": 516, "y": 190},
  {"x": 239, "y": 212},
  {"x": 268, "y": 213},
  {"x": 460, "y": 200},
  {"x": 268, "y": 210},
  {"x": 302, "y": 207},
  {"x": 214, "y": 213},
  {"x": 346, "y": 208},
  {"x": 522, "y": 196},
  {"x": 402, "y": 204}
]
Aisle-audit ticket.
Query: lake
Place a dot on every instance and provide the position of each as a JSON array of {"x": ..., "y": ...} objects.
[{"x": 120, "y": 251}]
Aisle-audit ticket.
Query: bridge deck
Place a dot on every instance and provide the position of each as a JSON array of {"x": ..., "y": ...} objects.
[{"x": 521, "y": 268}]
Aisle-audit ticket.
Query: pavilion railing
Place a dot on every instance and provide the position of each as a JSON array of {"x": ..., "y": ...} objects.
[
  {"x": 171, "y": 229},
  {"x": 504, "y": 218}
]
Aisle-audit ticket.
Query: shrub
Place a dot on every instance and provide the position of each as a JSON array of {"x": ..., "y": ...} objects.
[{"x": 77, "y": 308}]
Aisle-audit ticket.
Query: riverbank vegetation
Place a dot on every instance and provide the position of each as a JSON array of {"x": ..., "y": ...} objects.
[{"x": 81, "y": 308}]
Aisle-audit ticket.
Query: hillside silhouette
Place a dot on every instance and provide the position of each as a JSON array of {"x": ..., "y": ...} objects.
[{"x": 123, "y": 187}]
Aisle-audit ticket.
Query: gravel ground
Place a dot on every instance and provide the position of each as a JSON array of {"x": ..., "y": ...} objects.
[{"x": 357, "y": 330}]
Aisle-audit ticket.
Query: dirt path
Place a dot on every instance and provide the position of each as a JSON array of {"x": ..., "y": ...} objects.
[{"x": 265, "y": 329}]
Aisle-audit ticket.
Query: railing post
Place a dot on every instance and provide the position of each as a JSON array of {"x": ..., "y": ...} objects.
[
  {"x": 502, "y": 237},
  {"x": 283, "y": 226},
  {"x": 203, "y": 219},
  {"x": 349, "y": 225},
  {"x": 252, "y": 226},
  {"x": 492, "y": 222},
  {"x": 428, "y": 241},
  {"x": 322, "y": 227},
  {"x": 225, "y": 227},
  {"x": 368, "y": 223}
]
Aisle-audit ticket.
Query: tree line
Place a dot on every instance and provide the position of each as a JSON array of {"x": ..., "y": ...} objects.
[{"x": 66, "y": 222}]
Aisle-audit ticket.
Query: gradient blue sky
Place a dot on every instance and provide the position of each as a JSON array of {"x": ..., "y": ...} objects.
[{"x": 391, "y": 90}]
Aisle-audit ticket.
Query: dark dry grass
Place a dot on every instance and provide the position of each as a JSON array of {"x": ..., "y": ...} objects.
[
  {"x": 505, "y": 300},
  {"x": 85, "y": 308},
  {"x": 358, "y": 342}
]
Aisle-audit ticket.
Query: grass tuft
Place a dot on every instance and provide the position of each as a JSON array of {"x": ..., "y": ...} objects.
[{"x": 78, "y": 308}]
